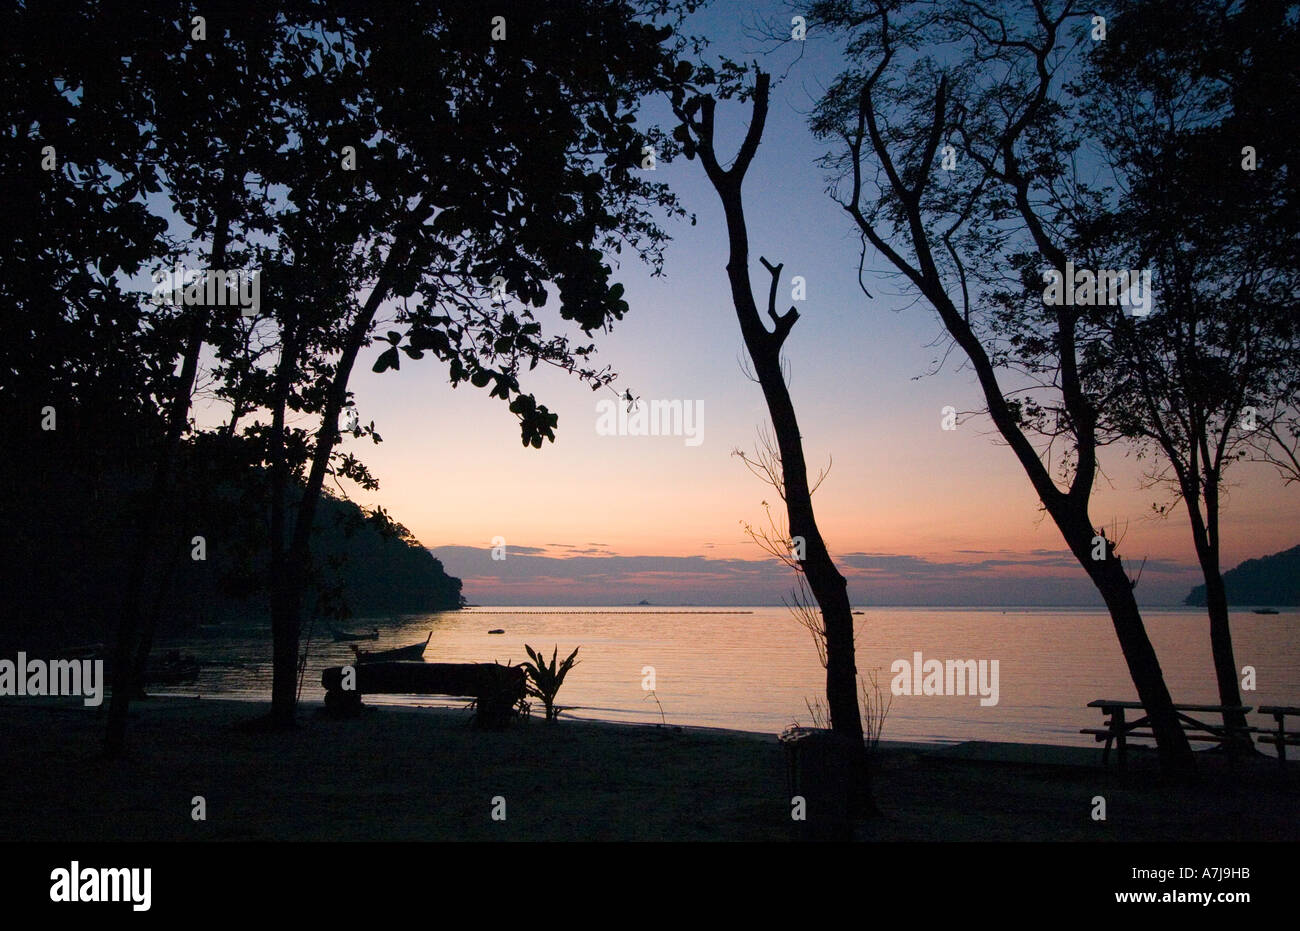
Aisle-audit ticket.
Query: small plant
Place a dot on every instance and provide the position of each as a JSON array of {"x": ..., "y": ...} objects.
[
  {"x": 821, "y": 718},
  {"x": 874, "y": 710},
  {"x": 663, "y": 720},
  {"x": 544, "y": 680}
]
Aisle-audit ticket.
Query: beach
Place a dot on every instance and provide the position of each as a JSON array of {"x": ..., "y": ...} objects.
[{"x": 399, "y": 774}]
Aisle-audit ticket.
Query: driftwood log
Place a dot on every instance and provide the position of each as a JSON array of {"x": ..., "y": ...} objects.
[{"x": 496, "y": 689}]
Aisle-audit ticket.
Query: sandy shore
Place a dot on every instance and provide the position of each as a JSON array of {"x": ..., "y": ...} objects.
[{"x": 400, "y": 774}]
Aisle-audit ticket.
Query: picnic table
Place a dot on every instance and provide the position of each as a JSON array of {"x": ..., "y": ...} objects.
[
  {"x": 1118, "y": 729},
  {"x": 1279, "y": 736}
]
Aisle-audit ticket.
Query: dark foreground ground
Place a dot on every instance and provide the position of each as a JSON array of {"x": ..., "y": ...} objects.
[{"x": 396, "y": 774}]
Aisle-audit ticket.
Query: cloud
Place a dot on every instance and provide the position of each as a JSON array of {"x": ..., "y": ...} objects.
[{"x": 566, "y": 574}]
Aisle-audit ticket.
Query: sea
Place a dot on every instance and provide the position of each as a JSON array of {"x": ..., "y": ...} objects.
[{"x": 756, "y": 669}]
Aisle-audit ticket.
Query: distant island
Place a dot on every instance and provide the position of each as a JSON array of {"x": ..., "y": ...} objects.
[{"x": 1270, "y": 580}]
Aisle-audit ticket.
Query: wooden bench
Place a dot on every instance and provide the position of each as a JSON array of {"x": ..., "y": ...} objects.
[
  {"x": 1118, "y": 730},
  {"x": 496, "y": 689},
  {"x": 1279, "y": 736}
]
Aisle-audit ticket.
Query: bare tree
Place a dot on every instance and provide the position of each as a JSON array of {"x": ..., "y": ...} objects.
[
  {"x": 983, "y": 83},
  {"x": 764, "y": 347}
]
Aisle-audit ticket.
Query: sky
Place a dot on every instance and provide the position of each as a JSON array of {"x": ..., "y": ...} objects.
[{"x": 914, "y": 514}]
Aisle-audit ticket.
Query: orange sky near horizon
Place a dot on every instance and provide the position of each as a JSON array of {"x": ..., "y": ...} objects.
[{"x": 454, "y": 472}]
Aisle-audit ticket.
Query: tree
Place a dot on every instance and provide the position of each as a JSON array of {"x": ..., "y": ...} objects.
[
  {"x": 764, "y": 347},
  {"x": 211, "y": 197},
  {"x": 506, "y": 160},
  {"x": 986, "y": 84},
  {"x": 81, "y": 164},
  {"x": 1207, "y": 376},
  {"x": 366, "y": 166}
]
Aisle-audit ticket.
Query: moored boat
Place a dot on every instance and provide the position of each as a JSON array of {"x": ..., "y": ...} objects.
[
  {"x": 413, "y": 652},
  {"x": 342, "y": 636}
]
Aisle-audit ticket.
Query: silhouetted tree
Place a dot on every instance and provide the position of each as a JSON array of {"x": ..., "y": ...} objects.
[
  {"x": 208, "y": 99},
  {"x": 764, "y": 347},
  {"x": 78, "y": 168},
  {"x": 473, "y": 155},
  {"x": 1210, "y": 372},
  {"x": 985, "y": 82},
  {"x": 512, "y": 160}
]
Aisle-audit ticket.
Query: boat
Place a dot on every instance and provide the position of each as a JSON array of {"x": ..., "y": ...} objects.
[
  {"x": 413, "y": 652},
  {"x": 1264, "y": 611},
  {"x": 342, "y": 636}
]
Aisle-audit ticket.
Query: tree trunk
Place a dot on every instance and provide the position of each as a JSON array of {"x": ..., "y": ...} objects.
[
  {"x": 1069, "y": 511},
  {"x": 131, "y": 639},
  {"x": 285, "y": 628},
  {"x": 764, "y": 347},
  {"x": 1225, "y": 664},
  {"x": 1205, "y": 534},
  {"x": 290, "y": 577},
  {"x": 824, "y": 579},
  {"x": 828, "y": 586},
  {"x": 1172, "y": 746},
  {"x": 284, "y": 621},
  {"x": 129, "y": 634},
  {"x": 289, "y": 564},
  {"x": 165, "y": 584}
]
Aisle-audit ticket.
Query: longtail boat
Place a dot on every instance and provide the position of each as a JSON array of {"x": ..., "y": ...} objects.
[{"x": 413, "y": 652}]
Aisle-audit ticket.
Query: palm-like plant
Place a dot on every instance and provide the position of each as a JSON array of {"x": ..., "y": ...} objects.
[{"x": 544, "y": 680}]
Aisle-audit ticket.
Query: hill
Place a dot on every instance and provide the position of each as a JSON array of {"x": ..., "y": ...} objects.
[
  {"x": 68, "y": 530},
  {"x": 1270, "y": 580}
]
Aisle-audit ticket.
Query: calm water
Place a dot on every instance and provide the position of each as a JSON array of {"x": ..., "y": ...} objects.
[{"x": 753, "y": 671}]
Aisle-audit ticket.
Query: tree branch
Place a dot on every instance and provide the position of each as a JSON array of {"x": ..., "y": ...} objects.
[{"x": 784, "y": 322}]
